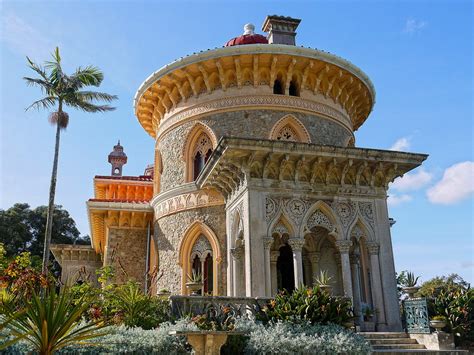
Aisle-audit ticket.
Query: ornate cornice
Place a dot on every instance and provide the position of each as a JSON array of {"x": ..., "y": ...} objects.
[
  {"x": 239, "y": 161},
  {"x": 253, "y": 66}
]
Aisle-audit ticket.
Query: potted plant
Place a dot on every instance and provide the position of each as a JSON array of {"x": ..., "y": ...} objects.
[
  {"x": 367, "y": 312},
  {"x": 438, "y": 322},
  {"x": 323, "y": 280},
  {"x": 195, "y": 283},
  {"x": 410, "y": 284}
]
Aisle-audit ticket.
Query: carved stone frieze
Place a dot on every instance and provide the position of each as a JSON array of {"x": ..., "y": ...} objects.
[
  {"x": 319, "y": 219},
  {"x": 366, "y": 210},
  {"x": 346, "y": 212},
  {"x": 187, "y": 201},
  {"x": 296, "y": 244}
]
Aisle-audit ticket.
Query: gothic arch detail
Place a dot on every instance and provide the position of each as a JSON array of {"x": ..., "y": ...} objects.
[
  {"x": 360, "y": 229},
  {"x": 199, "y": 143},
  {"x": 199, "y": 241},
  {"x": 281, "y": 226},
  {"x": 321, "y": 215},
  {"x": 289, "y": 128}
]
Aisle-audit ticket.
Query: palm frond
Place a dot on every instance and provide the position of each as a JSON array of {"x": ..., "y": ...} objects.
[
  {"x": 86, "y": 106},
  {"x": 44, "y": 85},
  {"x": 39, "y": 70},
  {"x": 94, "y": 95},
  {"x": 89, "y": 75},
  {"x": 46, "y": 103}
]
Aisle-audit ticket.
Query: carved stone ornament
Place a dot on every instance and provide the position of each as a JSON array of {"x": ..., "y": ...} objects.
[
  {"x": 345, "y": 211},
  {"x": 280, "y": 228},
  {"x": 270, "y": 208},
  {"x": 238, "y": 252},
  {"x": 373, "y": 248},
  {"x": 367, "y": 212},
  {"x": 296, "y": 244},
  {"x": 201, "y": 248},
  {"x": 267, "y": 242},
  {"x": 357, "y": 232},
  {"x": 344, "y": 246},
  {"x": 296, "y": 208},
  {"x": 319, "y": 219}
]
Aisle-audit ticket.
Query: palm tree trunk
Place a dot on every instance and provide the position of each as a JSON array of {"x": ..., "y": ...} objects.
[{"x": 52, "y": 192}]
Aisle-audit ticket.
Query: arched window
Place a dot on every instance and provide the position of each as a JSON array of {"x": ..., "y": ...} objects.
[
  {"x": 278, "y": 86},
  {"x": 197, "y": 149},
  {"x": 294, "y": 88},
  {"x": 201, "y": 153},
  {"x": 289, "y": 129},
  {"x": 201, "y": 263}
]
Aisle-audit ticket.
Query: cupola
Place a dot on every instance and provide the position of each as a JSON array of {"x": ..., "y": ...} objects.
[
  {"x": 249, "y": 37},
  {"x": 117, "y": 158}
]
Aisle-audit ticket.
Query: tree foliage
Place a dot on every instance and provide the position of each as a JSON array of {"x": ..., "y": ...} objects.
[{"x": 22, "y": 229}]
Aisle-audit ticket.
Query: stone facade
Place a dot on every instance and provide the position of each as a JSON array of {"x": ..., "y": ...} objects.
[
  {"x": 169, "y": 232},
  {"x": 243, "y": 123}
]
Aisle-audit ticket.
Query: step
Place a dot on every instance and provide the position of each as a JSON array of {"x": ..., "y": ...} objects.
[
  {"x": 398, "y": 346},
  {"x": 392, "y": 341},
  {"x": 383, "y": 335}
]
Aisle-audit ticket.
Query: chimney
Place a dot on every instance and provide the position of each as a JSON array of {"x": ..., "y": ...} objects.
[{"x": 281, "y": 29}]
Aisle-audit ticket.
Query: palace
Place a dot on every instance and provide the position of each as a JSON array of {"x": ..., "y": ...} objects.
[{"x": 257, "y": 183}]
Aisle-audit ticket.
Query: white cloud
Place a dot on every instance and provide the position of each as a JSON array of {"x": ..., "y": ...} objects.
[
  {"x": 457, "y": 184},
  {"x": 401, "y": 145},
  {"x": 395, "y": 200},
  {"x": 412, "y": 181},
  {"x": 23, "y": 38},
  {"x": 412, "y": 25}
]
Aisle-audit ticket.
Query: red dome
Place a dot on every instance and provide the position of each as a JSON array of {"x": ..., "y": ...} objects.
[{"x": 247, "y": 39}]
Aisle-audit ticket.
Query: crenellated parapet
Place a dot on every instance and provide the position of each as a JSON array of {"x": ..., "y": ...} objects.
[{"x": 320, "y": 82}]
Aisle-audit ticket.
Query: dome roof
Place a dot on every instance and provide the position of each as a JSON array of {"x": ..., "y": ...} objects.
[{"x": 249, "y": 37}]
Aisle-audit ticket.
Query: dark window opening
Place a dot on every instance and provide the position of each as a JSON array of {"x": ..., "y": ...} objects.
[
  {"x": 278, "y": 87},
  {"x": 294, "y": 88},
  {"x": 285, "y": 277},
  {"x": 199, "y": 162}
]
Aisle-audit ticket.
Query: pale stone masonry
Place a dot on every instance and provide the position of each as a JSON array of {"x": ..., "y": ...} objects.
[{"x": 257, "y": 184}]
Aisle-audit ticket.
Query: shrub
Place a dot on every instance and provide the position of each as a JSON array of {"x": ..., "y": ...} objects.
[
  {"x": 125, "y": 340},
  {"x": 303, "y": 338},
  {"x": 309, "y": 305}
]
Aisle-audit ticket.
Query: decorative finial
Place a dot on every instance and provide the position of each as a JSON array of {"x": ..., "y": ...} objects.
[
  {"x": 118, "y": 142},
  {"x": 249, "y": 29}
]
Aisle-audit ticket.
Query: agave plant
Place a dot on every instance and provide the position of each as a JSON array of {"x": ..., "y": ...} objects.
[
  {"x": 50, "y": 323},
  {"x": 323, "y": 279},
  {"x": 195, "y": 277},
  {"x": 411, "y": 280}
]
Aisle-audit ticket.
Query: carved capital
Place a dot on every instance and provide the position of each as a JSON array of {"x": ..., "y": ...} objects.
[
  {"x": 238, "y": 252},
  {"x": 315, "y": 256},
  {"x": 267, "y": 242},
  {"x": 296, "y": 244},
  {"x": 344, "y": 246},
  {"x": 373, "y": 248}
]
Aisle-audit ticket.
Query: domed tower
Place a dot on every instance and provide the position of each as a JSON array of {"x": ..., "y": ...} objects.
[
  {"x": 117, "y": 158},
  {"x": 257, "y": 183}
]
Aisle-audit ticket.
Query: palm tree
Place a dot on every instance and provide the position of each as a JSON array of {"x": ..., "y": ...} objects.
[{"x": 64, "y": 90}]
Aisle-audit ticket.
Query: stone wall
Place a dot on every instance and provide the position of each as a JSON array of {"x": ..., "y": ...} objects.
[
  {"x": 170, "y": 230},
  {"x": 126, "y": 253},
  {"x": 242, "y": 123}
]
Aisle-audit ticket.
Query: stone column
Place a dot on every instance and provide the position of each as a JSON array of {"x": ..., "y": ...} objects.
[
  {"x": 315, "y": 257},
  {"x": 267, "y": 244},
  {"x": 356, "y": 287},
  {"x": 344, "y": 247},
  {"x": 202, "y": 260},
  {"x": 273, "y": 267},
  {"x": 377, "y": 292},
  {"x": 237, "y": 263},
  {"x": 296, "y": 245}
]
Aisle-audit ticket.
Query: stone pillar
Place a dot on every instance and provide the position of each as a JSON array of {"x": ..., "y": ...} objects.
[
  {"x": 356, "y": 287},
  {"x": 344, "y": 247},
  {"x": 314, "y": 257},
  {"x": 273, "y": 267},
  {"x": 296, "y": 245},
  {"x": 237, "y": 266},
  {"x": 267, "y": 244},
  {"x": 377, "y": 292}
]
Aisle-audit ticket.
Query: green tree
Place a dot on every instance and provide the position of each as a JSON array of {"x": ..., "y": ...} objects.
[
  {"x": 22, "y": 229},
  {"x": 437, "y": 285},
  {"x": 64, "y": 90}
]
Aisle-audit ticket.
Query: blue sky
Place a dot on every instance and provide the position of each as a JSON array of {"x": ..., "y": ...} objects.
[{"x": 419, "y": 55}]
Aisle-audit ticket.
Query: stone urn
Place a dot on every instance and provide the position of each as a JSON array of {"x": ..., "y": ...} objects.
[
  {"x": 348, "y": 324},
  {"x": 411, "y": 291},
  {"x": 438, "y": 324},
  {"x": 194, "y": 287},
  {"x": 164, "y": 293}
]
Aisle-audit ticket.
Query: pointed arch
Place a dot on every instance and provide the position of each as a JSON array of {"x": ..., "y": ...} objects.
[
  {"x": 282, "y": 222},
  {"x": 191, "y": 236},
  {"x": 364, "y": 229},
  {"x": 289, "y": 128},
  {"x": 326, "y": 218},
  {"x": 199, "y": 141}
]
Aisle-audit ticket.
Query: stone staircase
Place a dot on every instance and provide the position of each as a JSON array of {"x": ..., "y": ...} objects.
[{"x": 396, "y": 343}]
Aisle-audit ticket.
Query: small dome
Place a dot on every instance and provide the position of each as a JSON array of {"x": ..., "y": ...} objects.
[
  {"x": 118, "y": 152},
  {"x": 249, "y": 37}
]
